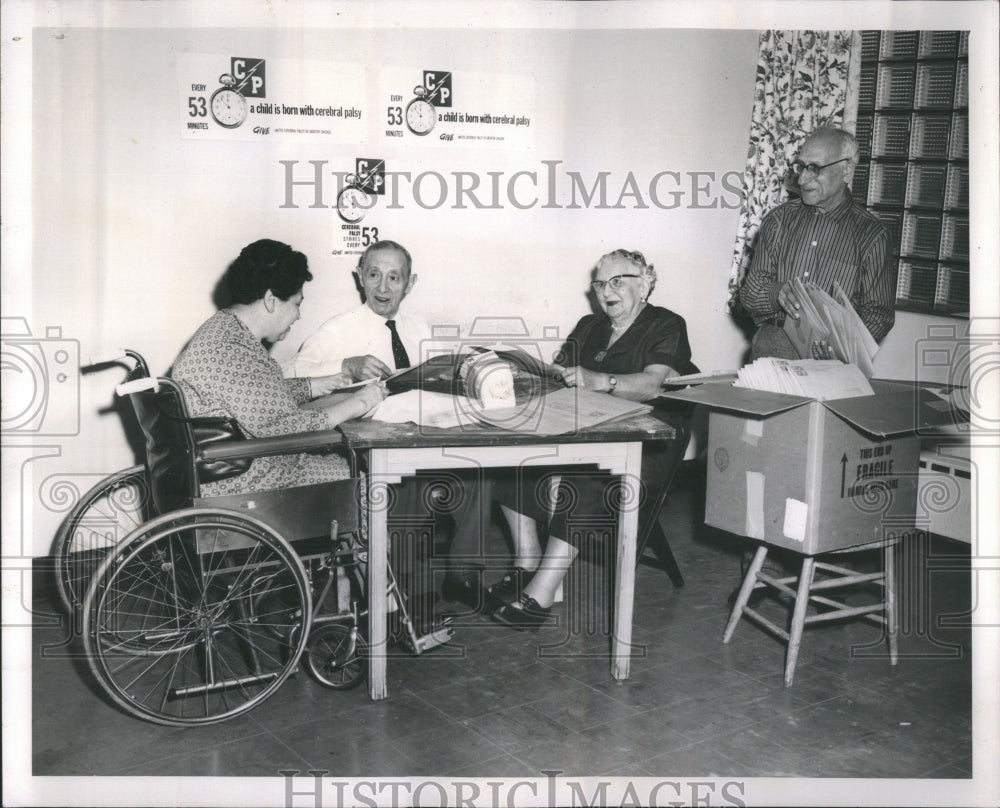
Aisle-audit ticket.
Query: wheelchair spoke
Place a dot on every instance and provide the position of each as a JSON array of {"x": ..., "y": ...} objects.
[{"x": 174, "y": 628}]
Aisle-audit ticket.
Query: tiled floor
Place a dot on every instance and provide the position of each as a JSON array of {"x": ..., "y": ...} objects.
[{"x": 503, "y": 703}]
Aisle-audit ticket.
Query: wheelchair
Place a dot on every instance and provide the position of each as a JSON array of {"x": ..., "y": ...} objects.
[
  {"x": 100, "y": 518},
  {"x": 205, "y": 608}
]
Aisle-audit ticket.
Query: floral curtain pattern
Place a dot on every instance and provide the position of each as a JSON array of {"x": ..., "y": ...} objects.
[{"x": 805, "y": 80}]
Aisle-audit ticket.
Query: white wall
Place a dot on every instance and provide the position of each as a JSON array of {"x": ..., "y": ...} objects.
[{"x": 133, "y": 226}]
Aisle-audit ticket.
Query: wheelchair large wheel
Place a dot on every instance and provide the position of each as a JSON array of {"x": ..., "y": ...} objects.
[
  {"x": 98, "y": 522},
  {"x": 337, "y": 656},
  {"x": 172, "y": 625}
]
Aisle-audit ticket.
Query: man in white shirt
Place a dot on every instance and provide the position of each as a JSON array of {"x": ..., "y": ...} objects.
[
  {"x": 360, "y": 342},
  {"x": 372, "y": 341}
]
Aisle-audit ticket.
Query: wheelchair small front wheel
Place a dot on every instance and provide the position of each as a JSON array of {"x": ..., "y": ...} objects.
[{"x": 337, "y": 656}]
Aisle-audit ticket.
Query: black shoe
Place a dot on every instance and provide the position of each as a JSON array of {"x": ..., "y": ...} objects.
[
  {"x": 530, "y": 617},
  {"x": 507, "y": 589},
  {"x": 463, "y": 586}
]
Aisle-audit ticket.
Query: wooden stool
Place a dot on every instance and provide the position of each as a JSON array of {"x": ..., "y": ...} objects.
[{"x": 805, "y": 584}]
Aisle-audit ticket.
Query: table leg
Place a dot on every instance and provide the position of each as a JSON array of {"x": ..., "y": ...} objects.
[
  {"x": 378, "y": 583},
  {"x": 628, "y": 530}
]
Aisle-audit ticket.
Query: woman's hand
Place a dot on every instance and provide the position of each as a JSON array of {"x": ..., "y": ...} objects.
[
  {"x": 370, "y": 396},
  {"x": 577, "y": 376},
  {"x": 324, "y": 385}
]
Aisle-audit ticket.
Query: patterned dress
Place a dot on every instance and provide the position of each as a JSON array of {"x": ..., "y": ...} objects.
[{"x": 225, "y": 370}]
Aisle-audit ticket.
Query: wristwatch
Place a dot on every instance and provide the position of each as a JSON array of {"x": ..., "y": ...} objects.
[{"x": 612, "y": 383}]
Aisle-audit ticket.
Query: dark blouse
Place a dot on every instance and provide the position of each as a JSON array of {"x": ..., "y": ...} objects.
[{"x": 657, "y": 337}]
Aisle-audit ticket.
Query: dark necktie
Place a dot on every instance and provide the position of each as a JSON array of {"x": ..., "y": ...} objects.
[{"x": 398, "y": 351}]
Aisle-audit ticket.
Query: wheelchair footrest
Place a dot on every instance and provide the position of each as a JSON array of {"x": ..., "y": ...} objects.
[{"x": 438, "y": 636}]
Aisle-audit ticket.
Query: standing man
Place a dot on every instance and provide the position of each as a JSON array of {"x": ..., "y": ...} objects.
[
  {"x": 824, "y": 236},
  {"x": 371, "y": 341}
]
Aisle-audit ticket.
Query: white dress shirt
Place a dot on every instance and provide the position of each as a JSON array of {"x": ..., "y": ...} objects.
[{"x": 360, "y": 332}]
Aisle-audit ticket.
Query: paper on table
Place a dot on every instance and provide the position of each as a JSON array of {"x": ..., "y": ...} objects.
[
  {"x": 566, "y": 410},
  {"x": 425, "y": 408}
]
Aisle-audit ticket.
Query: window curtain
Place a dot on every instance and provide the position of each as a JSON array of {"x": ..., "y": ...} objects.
[{"x": 805, "y": 80}]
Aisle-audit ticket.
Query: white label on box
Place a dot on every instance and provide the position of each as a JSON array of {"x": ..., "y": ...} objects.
[
  {"x": 796, "y": 513},
  {"x": 754, "y": 527},
  {"x": 753, "y": 430}
]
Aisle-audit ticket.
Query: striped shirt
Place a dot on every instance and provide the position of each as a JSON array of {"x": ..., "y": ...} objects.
[{"x": 847, "y": 245}]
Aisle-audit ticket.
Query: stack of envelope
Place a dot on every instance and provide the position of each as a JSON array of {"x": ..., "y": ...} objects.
[
  {"x": 820, "y": 379},
  {"x": 831, "y": 318}
]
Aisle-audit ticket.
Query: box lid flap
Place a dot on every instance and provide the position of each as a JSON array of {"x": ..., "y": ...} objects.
[
  {"x": 723, "y": 396},
  {"x": 895, "y": 413}
]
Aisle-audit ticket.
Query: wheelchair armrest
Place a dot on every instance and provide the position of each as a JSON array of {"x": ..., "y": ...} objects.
[{"x": 277, "y": 445}]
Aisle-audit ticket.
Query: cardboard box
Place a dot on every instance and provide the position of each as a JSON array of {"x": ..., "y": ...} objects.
[{"x": 813, "y": 476}]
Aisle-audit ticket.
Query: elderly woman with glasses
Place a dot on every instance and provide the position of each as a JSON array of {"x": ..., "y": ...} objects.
[{"x": 628, "y": 349}]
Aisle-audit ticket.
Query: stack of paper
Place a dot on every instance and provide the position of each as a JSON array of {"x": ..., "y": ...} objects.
[
  {"x": 820, "y": 379},
  {"x": 569, "y": 409},
  {"x": 834, "y": 320},
  {"x": 426, "y": 408}
]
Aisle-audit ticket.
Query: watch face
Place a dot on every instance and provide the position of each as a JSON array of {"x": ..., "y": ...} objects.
[
  {"x": 353, "y": 204},
  {"x": 420, "y": 116},
  {"x": 229, "y": 108}
]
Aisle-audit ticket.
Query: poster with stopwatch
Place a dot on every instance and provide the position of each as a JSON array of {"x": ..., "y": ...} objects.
[
  {"x": 435, "y": 106},
  {"x": 226, "y": 96}
]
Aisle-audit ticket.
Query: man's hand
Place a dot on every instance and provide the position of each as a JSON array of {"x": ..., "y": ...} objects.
[
  {"x": 821, "y": 350},
  {"x": 788, "y": 300},
  {"x": 365, "y": 367}
]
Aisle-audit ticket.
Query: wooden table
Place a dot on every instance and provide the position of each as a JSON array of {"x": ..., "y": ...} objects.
[{"x": 398, "y": 450}]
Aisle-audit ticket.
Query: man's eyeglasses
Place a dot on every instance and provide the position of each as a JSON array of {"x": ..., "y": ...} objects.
[
  {"x": 616, "y": 282},
  {"x": 799, "y": 168}
]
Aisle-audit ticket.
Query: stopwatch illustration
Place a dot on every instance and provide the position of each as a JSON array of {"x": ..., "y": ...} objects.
[
  {"x": 227, "y": 104},
  {"x": 353, "y": 201},
  {"x": 421, "y": 115}
]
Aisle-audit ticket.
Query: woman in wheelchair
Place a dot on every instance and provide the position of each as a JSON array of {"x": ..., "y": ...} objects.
[
  {"x": 205, "y": 608},
  {"x": 225, "y": 370}
]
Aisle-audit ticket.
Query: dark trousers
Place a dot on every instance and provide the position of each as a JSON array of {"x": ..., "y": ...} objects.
[
  {"x": 435, "y": 508},
  {"x": 771, "y": 340}
]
